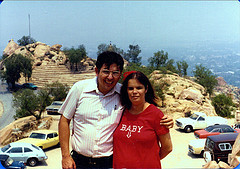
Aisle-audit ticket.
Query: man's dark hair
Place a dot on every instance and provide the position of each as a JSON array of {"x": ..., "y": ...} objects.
[
  {"x": 150, "y": 96},
  {"x": 109, "y": 58}
]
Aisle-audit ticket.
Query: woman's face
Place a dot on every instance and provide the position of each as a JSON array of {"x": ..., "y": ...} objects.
[{"x": 136, "y": 92}]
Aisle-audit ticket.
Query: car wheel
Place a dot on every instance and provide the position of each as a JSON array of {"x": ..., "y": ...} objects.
[
  {"x": 32, "y": 162},
  {"x": 207, "y": 156},
  {"x": 188, "y": 129}
]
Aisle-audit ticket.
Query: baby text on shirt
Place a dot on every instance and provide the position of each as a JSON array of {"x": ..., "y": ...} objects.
[{"x": 130, "y": 129}]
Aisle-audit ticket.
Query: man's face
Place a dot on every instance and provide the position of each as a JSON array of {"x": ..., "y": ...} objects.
[{"x": 107, "y": 77}]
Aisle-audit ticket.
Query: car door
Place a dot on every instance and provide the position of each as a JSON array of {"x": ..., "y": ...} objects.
[
  {"x": 16, "y": 153},
  {"x": 50, "y": 140},
  {"x": 56, "y": 138},
  {"x": 27, "y": 153},
  {"x": 200, "y": 123}
]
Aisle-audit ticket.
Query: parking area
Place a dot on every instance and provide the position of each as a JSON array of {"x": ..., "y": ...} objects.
[{"x": 178, "y": 158}]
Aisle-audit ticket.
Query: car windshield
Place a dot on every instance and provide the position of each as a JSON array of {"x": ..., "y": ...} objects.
[
  {"x": 38, "y": 136},
  {"x": 58, "y": 104},
  {"x": 194, "y": 116},
  {"x": 209, "y": 128},
  {"x": 5, "y": 148}
]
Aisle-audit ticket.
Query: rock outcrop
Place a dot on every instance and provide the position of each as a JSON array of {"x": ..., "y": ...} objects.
[
  {"x": 229, "y": 90},
  {"x": 16, "y": 130},
  {"x": 42, "y": 54},
  {"x": 182, "y": 95}
]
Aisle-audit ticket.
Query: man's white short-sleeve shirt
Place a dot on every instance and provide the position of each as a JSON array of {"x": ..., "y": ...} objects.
[{"x": 95, "y": 117}]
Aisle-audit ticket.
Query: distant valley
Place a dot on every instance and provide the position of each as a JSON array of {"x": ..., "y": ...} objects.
[{"x": 222, "y": 60}]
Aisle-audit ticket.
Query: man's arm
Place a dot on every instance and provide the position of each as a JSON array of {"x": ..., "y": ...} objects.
[
  {"x": 167, "y": 121},
  {"x": 64, "y": 136}
]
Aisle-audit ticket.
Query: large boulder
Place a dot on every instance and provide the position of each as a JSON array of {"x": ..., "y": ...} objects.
[
  {"x": 23, "y": 51},
  {"x": 192, "y": 94},
  {"x": 16, "y": 128},
  {"x": 41, "y": 50},
  {"x": 10, "y": 48}
]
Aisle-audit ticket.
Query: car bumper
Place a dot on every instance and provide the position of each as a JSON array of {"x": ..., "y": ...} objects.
[
  {"x": 52, "y": 112},
  {"x": 179, "y": 124},
  {"x": 42, "y": 158},
  {"x": 194, "y": 150}
]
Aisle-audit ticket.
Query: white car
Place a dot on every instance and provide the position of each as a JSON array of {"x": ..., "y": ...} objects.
[
  {"x": 198, "y": 120},
  {"x": 26, "y": 152},
  {"x": 54, "y": 107},
  {"x": 196, "y": 146}
]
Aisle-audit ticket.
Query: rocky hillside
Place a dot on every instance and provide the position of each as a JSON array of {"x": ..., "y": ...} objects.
[
  {"x": 181, "y": 95},
  {"x": 50, "y": 64},
  {"x": 232, "y": 91}
]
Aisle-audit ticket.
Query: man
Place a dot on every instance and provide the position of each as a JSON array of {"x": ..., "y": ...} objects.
[{"x": 94, "y": 105}]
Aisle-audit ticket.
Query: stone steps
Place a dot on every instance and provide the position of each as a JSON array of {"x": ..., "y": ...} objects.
[{"x": 52, "y": 72}]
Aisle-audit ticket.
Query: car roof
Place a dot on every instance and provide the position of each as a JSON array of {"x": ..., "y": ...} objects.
[
  {"x": 44, "y": 131},
  {"x": 224, "y": 137},
  {"x": 219, "y": 126},
  {"x": 17, "y": 144}
]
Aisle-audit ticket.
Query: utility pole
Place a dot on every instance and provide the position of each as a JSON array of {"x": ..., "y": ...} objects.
[{"x": 29, "y": 26}]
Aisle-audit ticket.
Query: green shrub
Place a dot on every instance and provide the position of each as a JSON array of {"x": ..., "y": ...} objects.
[{"x": 223, "y": 105}]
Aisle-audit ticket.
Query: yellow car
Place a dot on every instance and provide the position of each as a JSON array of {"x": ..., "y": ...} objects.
[{"x": 42, "y": 138}]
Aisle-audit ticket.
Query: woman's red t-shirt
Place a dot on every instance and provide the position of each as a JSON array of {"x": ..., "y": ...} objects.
[{"x": 135, "y": 141}]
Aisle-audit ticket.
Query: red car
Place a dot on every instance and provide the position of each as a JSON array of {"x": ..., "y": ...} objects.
[{"x": 215, "y": 130}]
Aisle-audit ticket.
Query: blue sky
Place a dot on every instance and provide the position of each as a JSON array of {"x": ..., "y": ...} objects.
[{"x": 153, "y": 25}]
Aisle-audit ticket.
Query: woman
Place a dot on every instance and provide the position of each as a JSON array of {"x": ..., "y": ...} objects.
[{"x": 136, "y": 139}]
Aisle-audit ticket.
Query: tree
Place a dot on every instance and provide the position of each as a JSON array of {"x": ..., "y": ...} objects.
[
  {"x": 28, "y": 103},
  {"x": 104, "y": 47},
  {"x": 57, "y": 90},
  {"x": 132, "y": 54},
  {"x": 25, "y": 40},
  {"x": 15, "y": 65},
  {"x": 182, "y": 68},
  {"x": 159, "y": 59},
  {"x": 205, "y": 78},
  {"x": 170, "y": 66},
  {"x": 223, "y": 105},
  {"x": 75, "y": 55}
]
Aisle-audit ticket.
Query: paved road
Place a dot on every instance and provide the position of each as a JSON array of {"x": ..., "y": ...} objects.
[{"x": 8, "y": 110}]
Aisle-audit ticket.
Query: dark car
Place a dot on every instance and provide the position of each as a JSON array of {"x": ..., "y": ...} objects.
[
  {"x": 215, "y": 130},
  {"x": 8, "y": 163},
  {"x": 30, "y": 86},
  {"x": 218, "y": 147}
]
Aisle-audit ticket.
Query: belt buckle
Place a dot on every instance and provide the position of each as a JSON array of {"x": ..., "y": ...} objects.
[{"x": 92, "y": 162}]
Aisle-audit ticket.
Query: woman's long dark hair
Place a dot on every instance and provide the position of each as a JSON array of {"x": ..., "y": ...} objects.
[{"x": 150, "y": 96}]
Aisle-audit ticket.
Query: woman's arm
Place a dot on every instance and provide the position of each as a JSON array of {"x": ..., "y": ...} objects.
[{"x": 166, "y": 145}]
